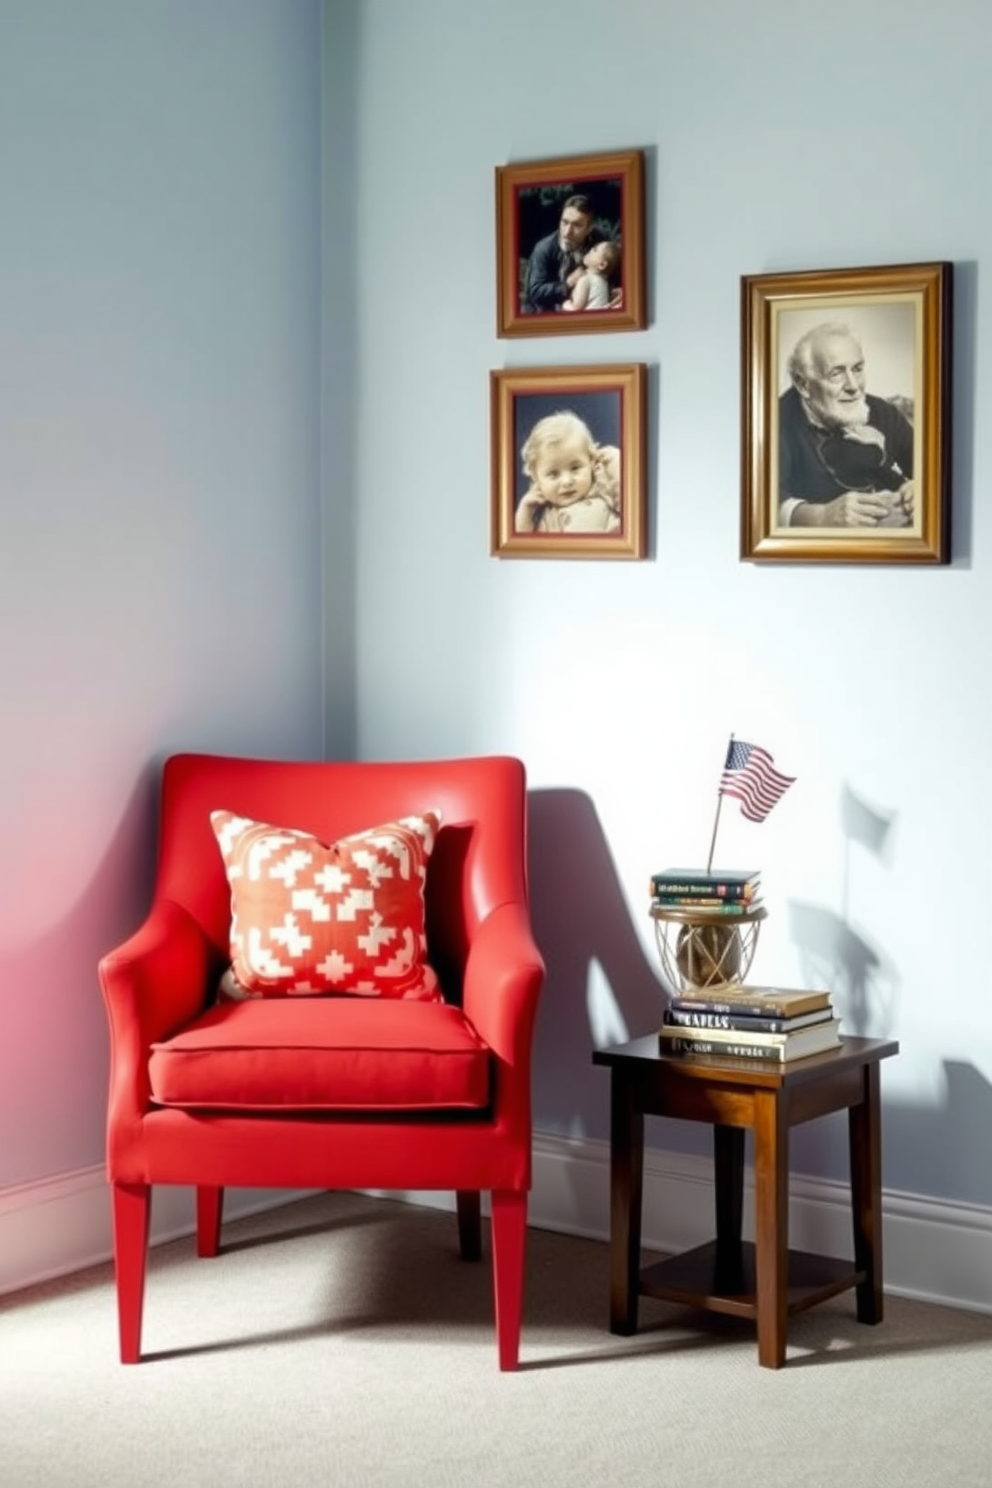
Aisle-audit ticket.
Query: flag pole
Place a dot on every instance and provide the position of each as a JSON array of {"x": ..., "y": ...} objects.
[
  {"x": 716, "y": 823},
  {"x": 716, "y": 819}
]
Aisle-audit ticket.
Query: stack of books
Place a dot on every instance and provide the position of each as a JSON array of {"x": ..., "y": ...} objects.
[
  {"x": 717, "y": 891},
  {"x": 743, "y": 1022}
]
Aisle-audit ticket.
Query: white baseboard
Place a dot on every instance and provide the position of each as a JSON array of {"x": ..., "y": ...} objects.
[
  {"x": 933, "y": 1250},
  {"x": 59, "y": 1225}
]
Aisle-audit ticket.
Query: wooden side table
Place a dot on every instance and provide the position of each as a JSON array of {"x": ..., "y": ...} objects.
[{"x": 763, "y": 1280}]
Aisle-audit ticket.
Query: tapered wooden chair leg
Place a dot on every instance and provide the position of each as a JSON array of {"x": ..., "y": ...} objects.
[
  {"x": 209, "y": 1210},
  {"x": 509, "y": 1235},
  {"x": 132, "y": 1212}
]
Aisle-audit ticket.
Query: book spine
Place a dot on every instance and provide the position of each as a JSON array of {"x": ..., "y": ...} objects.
[
  {"x": 755, "y": 1008},
  {"x": 703, "y": 1045},
  {"x": 719, "y": 906},
  {"x": 750, "y": 1023},
  {"x": 712, "y": 890}
]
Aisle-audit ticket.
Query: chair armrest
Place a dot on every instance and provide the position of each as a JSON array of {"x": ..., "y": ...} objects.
[
  {"x": 504, "y": 973},
  {"x": 152, "y": 984}
]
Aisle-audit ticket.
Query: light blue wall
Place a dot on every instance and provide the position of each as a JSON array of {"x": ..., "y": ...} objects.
[
  {"x": 341, "y": 256},
  {"x": 173, "y": 364},
  {"x": 778, "y": 136},
  {"x": 160, "y": 507}
]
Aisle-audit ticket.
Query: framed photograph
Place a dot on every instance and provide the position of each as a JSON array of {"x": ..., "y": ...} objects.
[
  {"x": 568, "y": 467},
  {"x": 846, "y": 415},
  {"x": 570, "y": 245}
]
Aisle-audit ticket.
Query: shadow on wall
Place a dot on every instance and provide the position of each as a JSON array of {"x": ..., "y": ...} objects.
[
  {"x": 861, "y": 977},
  {"x": 943, "y": 1150},
  {"x": 833, "y": 955},
  {"x": 933, "y": 1149},
  {"x": 581, "y": 920},
  {"x": 932, "y": 1146},
  {"x": 582, "y": 923}
]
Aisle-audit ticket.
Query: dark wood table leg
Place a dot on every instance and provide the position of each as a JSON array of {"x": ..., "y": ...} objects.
[
  {"x": 728, "y": 1173},
  {"x": 864, "y": 1132},
  {"x": 626, "y": 1192},
  {"x": 771, "y": 1225}
]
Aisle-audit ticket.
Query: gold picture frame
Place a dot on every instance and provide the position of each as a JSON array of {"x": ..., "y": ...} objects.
[
  {"x": 846, "y": 415},
  {"x": 568, "y": 462},
  {"x": 594, "y": 200}
]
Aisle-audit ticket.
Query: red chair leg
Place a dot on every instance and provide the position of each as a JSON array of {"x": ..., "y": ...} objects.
[
  {"x": 209, "y": 1209},
  {"x": 509, "y": 1235},
  {"x": 132, "y": 1212}
]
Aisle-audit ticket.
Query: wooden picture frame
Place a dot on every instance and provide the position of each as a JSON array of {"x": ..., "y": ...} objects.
[
  {"x": 593, "y": 200},
  {"x": 846, "y": 415},
  {"x": 568, "y": 462}
]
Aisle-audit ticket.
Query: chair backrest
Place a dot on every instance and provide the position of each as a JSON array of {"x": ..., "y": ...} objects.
[{"x": 478, "y": 861}]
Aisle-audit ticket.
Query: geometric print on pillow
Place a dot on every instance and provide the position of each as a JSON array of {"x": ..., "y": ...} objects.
[{"x": 308, "y": 918}]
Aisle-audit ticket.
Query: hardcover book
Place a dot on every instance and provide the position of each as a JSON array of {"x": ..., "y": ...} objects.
[
  {"x": 723, "y": 883},
  {"x": 731, "y": 1041},
  {"x": 760, "y": 1002},
  {"x": 692, "y": 1020},
  {"x": 727, "y": 906}
]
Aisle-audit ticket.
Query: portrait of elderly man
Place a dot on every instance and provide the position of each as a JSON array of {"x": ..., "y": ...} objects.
[{"x": 845, "y": 455}]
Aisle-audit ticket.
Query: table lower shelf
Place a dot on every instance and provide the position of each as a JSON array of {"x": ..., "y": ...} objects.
[{"x": 725, "y": 1281}]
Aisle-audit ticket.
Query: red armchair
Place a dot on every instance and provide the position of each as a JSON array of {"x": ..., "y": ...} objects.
[{"x": 367, "y": 1101}]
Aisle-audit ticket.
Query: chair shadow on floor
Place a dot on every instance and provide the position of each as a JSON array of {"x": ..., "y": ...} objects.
[{"x": 391, "y": 1271}]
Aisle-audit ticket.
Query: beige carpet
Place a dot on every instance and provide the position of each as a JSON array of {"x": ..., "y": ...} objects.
[{"x": 341, "y": 1341}]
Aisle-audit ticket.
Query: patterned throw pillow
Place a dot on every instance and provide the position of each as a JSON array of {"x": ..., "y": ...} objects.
[{"x": 307, "y": 918}]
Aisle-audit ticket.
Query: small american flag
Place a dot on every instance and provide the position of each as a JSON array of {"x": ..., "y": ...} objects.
[{"x": 751, "y": 776}]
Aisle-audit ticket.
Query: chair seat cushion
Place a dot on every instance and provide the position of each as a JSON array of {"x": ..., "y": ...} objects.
[{"x": 324, "y": 1054}]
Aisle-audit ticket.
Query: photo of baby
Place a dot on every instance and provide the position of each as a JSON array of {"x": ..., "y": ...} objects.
[
  {"x": 568, "y": 462},
  {"x": 574, "y": 482},
  {"x": 593, "y": 290}
]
